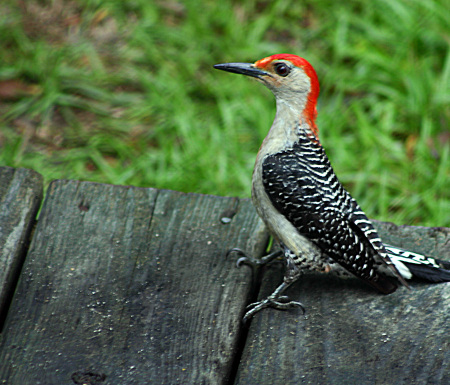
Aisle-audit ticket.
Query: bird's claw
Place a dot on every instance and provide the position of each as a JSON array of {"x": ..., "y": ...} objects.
[
  {"x": 250, "y": 261},
  {"x": 275, "y": 300},
  {"x": 246, "y": 259},
  {"x": 235, "y": 250},
  {"x": 279, "y": 303}
]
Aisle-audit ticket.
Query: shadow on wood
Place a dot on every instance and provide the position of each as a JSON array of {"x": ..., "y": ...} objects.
[
  {"x": 125, "y": 285},
  {"x": 351, "y": 334}
]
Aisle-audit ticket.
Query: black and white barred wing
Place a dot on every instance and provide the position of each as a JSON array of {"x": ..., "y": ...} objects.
[{"x": 306, "y": 191}]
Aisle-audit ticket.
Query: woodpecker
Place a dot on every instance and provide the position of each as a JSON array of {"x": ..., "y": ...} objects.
[{"x": 295, "y": 191}]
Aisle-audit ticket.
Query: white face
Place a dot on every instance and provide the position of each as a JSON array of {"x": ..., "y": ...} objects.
[
  {"x": 290, "y": 84},
  {"x": 292, "y": 80}
]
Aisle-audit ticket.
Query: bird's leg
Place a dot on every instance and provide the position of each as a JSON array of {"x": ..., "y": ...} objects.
[
  {"x": 246, "y": 259},
  {"x": 275, "y": 300}
]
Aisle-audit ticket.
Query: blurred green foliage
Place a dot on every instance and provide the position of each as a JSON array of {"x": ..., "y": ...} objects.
[{"x": 123, "y": 92}]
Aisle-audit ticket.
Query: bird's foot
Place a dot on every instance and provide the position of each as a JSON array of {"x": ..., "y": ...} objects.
[
  {"x": 279, "y": 303},
  {"x": 246, "y": 259}
]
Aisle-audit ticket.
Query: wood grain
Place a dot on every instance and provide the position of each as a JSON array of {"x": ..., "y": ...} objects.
[
  {"x": 127, "y": 285},
  {"x": 20, "y": 197},
  {"x": 352, "y": 335}
]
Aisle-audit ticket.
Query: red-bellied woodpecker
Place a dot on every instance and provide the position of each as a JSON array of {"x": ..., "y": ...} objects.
[{"x": 318, "y": 225}]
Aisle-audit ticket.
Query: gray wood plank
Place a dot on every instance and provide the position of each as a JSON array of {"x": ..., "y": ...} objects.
[
  {"x": 128, "y": 285},
  {"x": 351, "y": 334},
  {"x": 20, "y": 197}
]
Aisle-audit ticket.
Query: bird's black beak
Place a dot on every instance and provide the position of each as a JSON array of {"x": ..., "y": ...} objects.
[{"x": 241, "y": 68}]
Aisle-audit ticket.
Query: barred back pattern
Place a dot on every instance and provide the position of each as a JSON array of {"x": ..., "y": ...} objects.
[{"x": 302, "y": 186}]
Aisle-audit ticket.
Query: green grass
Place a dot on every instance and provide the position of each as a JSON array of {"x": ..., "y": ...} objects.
[{"x": 124, "y": 92}]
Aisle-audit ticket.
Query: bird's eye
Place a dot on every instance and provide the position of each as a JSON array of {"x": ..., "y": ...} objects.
[{"x": 282, "y": 69}]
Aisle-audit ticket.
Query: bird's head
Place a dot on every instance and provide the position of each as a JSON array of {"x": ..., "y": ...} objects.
[{"x": 291, "y": 78}]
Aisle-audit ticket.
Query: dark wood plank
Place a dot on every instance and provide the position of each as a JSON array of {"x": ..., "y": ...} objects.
[
  {"x": 20, "y": 197},
  {"x": 128, "y": 285},
  {"x": 352, "y": 335}
]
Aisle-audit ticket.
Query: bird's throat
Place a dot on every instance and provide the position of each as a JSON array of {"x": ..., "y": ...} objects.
[{"x": 292, "y": 122}]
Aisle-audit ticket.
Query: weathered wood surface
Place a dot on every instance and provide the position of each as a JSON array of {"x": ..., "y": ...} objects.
[
  {"x": 20, "y": 197},
  {"x": 125, "y": 285},
  {"x": 352, "y": 335},
  {"x": 128, "y": 285}
]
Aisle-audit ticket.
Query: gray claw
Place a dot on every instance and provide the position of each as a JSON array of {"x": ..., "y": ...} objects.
[
  {"x": 237, "y": 251},
  {"x": 246, "y": 259},
  {"x": 280, "y": 303}
]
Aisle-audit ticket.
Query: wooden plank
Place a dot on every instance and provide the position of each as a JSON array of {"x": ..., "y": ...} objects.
[
  {"x": 20, "y": 197},
  {"x": 352, "y": 335},
  {"x": 128, "y": 285}
]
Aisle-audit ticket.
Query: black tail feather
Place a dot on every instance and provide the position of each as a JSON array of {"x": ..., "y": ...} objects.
[
  {"x": 428, "y": 273},
  {"x": 421, "y": 266},
  {"x": 443, "y": 264}
]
